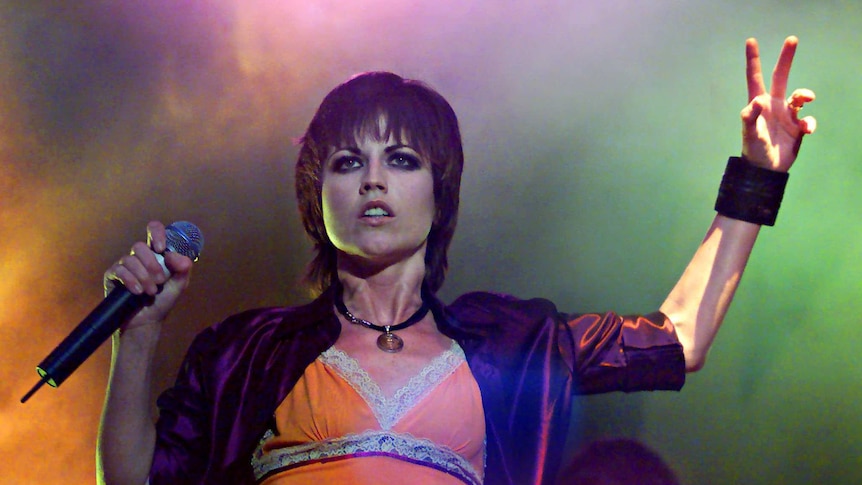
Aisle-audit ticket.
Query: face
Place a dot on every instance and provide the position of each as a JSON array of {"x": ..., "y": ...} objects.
[{"x": 378, "y": 200}]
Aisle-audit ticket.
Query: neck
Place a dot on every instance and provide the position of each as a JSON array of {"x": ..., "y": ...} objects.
[{"x": 385, "y": 297}]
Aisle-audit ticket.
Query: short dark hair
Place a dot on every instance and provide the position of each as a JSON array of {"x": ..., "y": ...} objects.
[{"x": 411, "y": 110}]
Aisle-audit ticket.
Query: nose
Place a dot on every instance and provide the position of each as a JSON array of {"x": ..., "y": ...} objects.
[{"x": 375, "y": 178}]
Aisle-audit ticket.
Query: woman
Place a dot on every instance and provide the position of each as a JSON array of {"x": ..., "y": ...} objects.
[{"x": 377, "y": 380}]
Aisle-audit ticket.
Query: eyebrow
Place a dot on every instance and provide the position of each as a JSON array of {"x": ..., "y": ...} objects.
[
  {"x": 356, "y": 151},
  {"x": 397, "y": 146}
]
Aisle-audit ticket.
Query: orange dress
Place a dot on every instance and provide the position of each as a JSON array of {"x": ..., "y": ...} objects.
[{"x": 336, "y": 426}]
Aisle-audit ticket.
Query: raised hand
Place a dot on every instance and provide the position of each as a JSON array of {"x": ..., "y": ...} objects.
[{"x": 771, "y": 129}]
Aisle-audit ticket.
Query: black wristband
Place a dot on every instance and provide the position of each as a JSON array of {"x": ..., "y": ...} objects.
[{"x": 750, "y": 193}]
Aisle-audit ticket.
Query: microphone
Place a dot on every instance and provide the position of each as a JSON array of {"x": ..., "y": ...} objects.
[{"x": 183, "y": 238}]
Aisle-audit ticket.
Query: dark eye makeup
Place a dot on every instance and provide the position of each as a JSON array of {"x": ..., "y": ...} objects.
[
  {"x": 397, "y": 157},
  {"x": 405, "y": 160},
  {"x": 345, "y": 163}
]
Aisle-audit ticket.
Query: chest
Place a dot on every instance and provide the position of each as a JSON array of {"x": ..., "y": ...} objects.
[{"x": 392, "y": 371}]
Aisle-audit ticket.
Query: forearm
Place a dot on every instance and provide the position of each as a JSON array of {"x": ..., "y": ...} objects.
[
  {"x": 751, "y": 190},
  {"x": 127, "y": 433},
  {"x": 700, "y": 299}
]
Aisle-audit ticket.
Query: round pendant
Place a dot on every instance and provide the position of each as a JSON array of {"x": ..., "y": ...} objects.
[{"x": 389, "y": 342}]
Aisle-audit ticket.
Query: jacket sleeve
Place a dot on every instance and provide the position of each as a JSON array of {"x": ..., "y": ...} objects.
[
  {"x": 183, "y": 429},
  {"x": 609, "y": 352}
]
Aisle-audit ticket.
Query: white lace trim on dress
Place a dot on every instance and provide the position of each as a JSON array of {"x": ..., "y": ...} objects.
[
  {"x": 401, "y": 446},
  {"x": 389, "y": 411}
]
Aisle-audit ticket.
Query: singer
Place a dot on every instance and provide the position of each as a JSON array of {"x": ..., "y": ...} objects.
[{"x": 377, "y": 380}]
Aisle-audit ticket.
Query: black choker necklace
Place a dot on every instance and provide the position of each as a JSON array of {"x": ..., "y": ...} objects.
[{"x": 388, "y": 341}]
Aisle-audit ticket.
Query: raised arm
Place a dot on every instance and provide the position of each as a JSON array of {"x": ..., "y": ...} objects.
[
  {"x": 752, "y": 187},
  {"x": 127, "y": 433}
]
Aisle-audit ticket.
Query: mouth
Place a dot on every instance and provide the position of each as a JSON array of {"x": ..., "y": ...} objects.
[{"x": 376, "y": 210}]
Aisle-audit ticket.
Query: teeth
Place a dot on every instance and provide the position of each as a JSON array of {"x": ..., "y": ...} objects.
[{"x": 376, "y": 211}]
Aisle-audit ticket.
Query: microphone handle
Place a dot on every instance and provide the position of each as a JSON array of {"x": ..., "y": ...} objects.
[{"x": 103, "y": 321}]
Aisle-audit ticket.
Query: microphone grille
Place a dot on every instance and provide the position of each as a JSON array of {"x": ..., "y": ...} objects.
[{"x": 185, "y": 238}]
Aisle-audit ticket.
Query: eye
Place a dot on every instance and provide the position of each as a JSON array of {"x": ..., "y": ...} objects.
[
  {"x": 406, "y": 161},
  {"x": 346, "y": 163}
]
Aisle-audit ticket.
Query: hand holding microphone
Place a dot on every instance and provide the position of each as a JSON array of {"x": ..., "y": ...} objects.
[
  {"x": 150, "y": 279},
  {"x": 158, "y": 270}
]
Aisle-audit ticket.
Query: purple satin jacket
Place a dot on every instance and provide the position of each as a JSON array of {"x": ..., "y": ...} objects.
[{"x": 528, "y": 359}]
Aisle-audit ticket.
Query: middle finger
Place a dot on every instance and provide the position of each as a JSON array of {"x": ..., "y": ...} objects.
[{"x": 781, "y": 72}]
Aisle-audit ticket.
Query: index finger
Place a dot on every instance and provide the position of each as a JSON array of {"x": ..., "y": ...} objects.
[
  {"x": 156, "y": 236},
  {"x": 781, "y": 73},
  {"x": 753, "y": 72}
]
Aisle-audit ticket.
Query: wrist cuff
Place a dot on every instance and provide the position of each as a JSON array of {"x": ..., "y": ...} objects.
[{"x": 750, "y": 193}]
